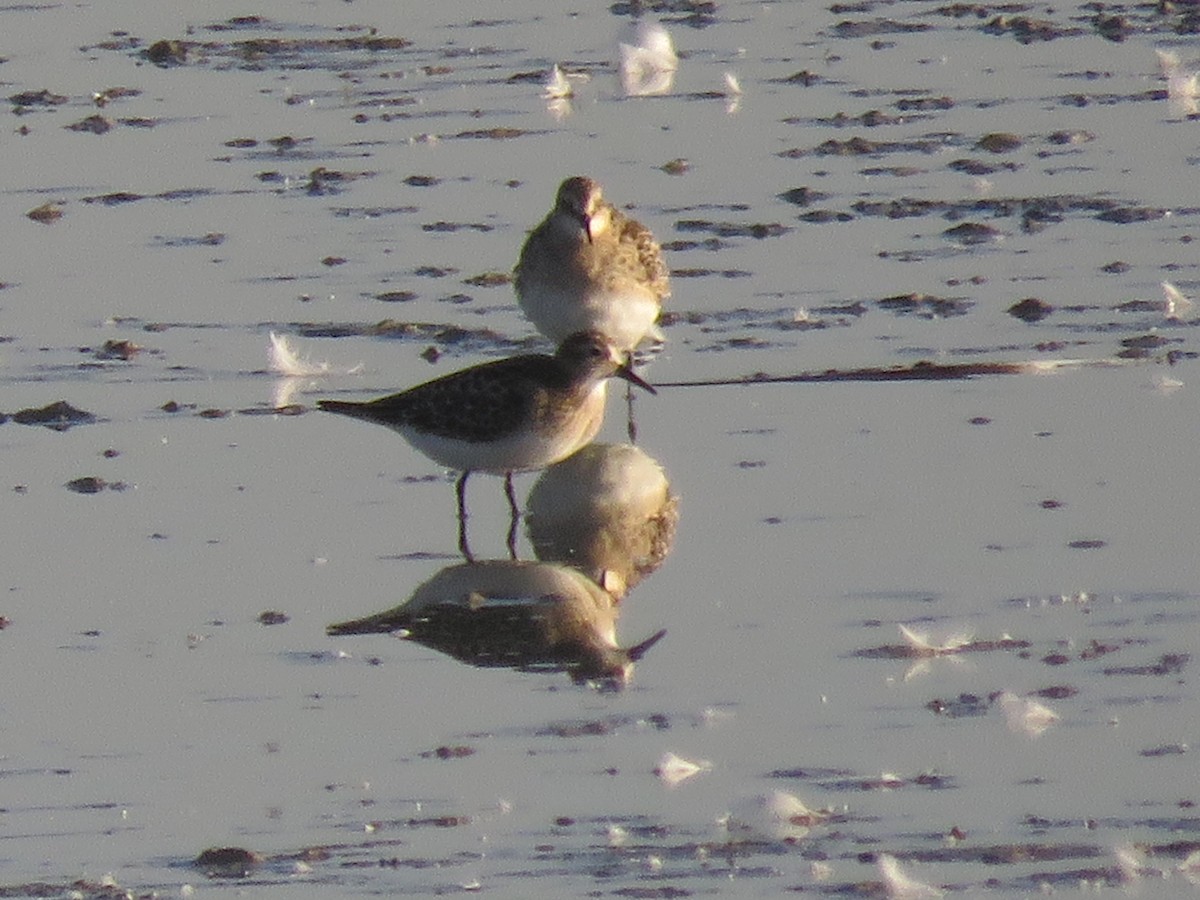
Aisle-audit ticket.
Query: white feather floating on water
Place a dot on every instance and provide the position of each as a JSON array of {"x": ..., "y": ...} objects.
[
  {"x": 672, "y": 770},
  {"x": 778, "y": 816},
  {"x": 1190, "y": 867},
  {"x": 1165, "y": 384},
  {"x": 924, "y": 645},
  {"x": 901, "y": 886},
  {"x": 1183, "y": 83},
  {"x": 1177, "y": 305},
  {"x": 1025, "y": 715},
  {"x": 733, "y": 93},
  {"x": 557, "y": 86},
  {"x": 284, "y": 360},
  {"x": 646, "y": 60}
]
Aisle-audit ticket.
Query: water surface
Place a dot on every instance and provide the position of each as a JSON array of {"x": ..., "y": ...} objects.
[{"x": 1048, "y": 518}]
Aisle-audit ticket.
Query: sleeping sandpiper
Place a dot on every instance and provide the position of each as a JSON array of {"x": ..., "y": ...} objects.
[
  {"x": 588, "y": 266},
  {"x": 511, "y": 415}
]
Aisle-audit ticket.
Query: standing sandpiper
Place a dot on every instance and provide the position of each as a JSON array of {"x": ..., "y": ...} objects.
[
  {"x": 588, "y": 266},
  {"x": 510, "y": 415}
]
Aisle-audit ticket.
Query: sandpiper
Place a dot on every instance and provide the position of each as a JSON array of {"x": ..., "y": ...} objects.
[
  {"x": 511, "y": 415},
  {"x": 588, "y": 266}
]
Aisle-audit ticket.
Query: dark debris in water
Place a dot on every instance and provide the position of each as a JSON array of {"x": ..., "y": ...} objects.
[
  {"x": 93, "y": 124},
  {"x": 228, "y": 862},
  {"x": 1028, "y": 30},
  {"x": 58, "y": 416},
  {"x": 603, "y": 725},
  {"x": 396, "y": 296},
  {"x": 29, "y": 99},
  {"x": 452, "y": 227},
  {"x": 1167, "y": 664},
  {"x": 909, "y": 651},
  {"x": 925, "y": 306},
  {"x": 803, "y": 196},
  {"x": 700, "y": 272},
  {"x": 323, "y": 182},
  {"x": 1050, "y": 208},
  {"x": 489, "y": 279},
  {"x": 46, "y": 214},
  {"x": 1164, "y": 750},
  {"x": 972, "y": 233},
  {"x": 457, "y": 751},
  {"x": 757, "y": 230},
  {"x": 842, "y": 781},
  {"x": 122, "y": 350},
  {"x": 1008, "y": 854},
  {"x": 498, "y": 133},
  {"x": 696, "y": 13},
  {"x": 860, "y": 146},
  {"x": 120, "y": 198},
  {"x": 1031, "y": 309},
  {"x": 875, "y": 27},
  {"x": 963, "y": 706},
  {"x": 79, "y": 889},
  {"x": 93, "y": 484},
  {"x": 263, "y": 52},
  {"x": 1126, "y": 215},
  {"x": 444, "y": 335},
  {"x": 709, "y": 244}
]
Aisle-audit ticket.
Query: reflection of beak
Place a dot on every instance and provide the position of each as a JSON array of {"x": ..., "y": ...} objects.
[
  {"x": 626, "y": 371},
  {"x": 637, "y": 651}
]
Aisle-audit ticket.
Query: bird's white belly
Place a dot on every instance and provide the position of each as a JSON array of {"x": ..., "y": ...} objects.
[{"x": 625, "y": 318}]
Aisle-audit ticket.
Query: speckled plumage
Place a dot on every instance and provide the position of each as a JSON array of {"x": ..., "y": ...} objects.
[
  {"x": 511, "y": 415},
  {"x": 588, "y": 266}
]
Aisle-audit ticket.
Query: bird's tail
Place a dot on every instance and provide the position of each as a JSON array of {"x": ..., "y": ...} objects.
[{"x": 381, "y": 623}]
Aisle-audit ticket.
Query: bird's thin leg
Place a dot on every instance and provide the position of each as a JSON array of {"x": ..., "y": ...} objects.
[
  {"x": 460, "y": 493},
  {"x": 515, "y": 515}
]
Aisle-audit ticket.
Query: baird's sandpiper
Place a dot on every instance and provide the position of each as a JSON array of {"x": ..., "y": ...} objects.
[
  {"x": 588, "y": 266},
  {"x": 511, "y": 415}
]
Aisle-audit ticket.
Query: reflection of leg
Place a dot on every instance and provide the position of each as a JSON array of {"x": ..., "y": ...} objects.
[
  {"x": 630, "y": 422},
  {"x": 460, "y": 492},
  {"x": 463, "y": 547},
  {"x": 514, "y": 515}
]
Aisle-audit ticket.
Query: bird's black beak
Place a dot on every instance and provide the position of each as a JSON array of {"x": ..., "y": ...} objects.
[
  {"x": 625, "y": 370},
  {"x": 637, "y": 651}
]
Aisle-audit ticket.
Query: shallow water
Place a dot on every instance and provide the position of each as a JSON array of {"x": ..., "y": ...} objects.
[{"x": 1046, "y": 519}]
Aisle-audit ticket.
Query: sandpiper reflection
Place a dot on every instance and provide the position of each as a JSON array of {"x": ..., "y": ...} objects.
[
  {"x": 533, "y": 617},
  {"x": 608, "y": 511}
]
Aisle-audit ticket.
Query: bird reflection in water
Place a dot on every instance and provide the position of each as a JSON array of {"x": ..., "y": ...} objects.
[
  {"x": 600, "y": 522},
  {"x": 608, "y": 511},
  {"x": 534, "y": 617}
]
